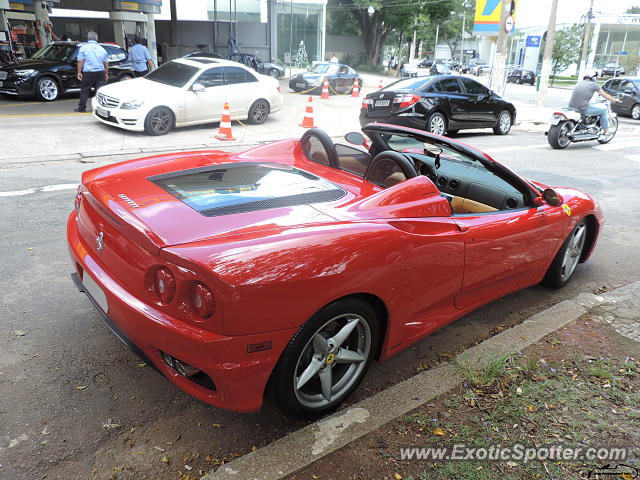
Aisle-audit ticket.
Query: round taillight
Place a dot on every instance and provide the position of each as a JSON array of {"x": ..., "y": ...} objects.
[
  {"x": 202, "y": 300},
  {"x": 164, "y": 285}
]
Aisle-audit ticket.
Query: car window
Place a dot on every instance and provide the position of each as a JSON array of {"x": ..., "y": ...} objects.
[
  {"x": 410, "y": 84},
  {"x": 235, "y": 75},
  {"x": 625, "y": 85},
  {"x": 450, "y": 85},
  {"x": 353, "y": 160},
  {"x": 612, "y": 85},
  {"x": 56, "y": 51},
  {"x": 472, "y": 87},
  {"x": 211, "y": 78},
  {"x": 343, "y": 70},
  {"x": 172, "y": 73},
  {"x": 351, "y": 71},
  {"x": 434, "y": 88},
  {"x": 115, "y": 54}
]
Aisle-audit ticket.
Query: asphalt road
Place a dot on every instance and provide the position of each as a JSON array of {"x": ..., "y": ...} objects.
[{"x": 76, "y": 404}]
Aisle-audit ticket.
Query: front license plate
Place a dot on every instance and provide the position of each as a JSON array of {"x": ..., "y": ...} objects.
[
  {"x": 94, "y": 290},
  {"x": 382, "y": 103},
  {"x": 300, "y": 85},
  {"x": 101, "y": 112},
  {"x": 3, "y": 75}
]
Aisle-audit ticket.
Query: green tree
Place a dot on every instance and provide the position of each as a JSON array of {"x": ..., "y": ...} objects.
[
  {"x": 633, "y": 10},
  {"x": 377, "y": 19},
  {"x": 567, "y": 46}
]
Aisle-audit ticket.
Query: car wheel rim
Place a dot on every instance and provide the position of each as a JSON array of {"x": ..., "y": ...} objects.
[
  {"x": 573, "y": 252},
  {"x": 436, "y": 125},
  {"x": 614, "y": 128},
  {"x": 48, "y": 89},
  {"x": 505, "y": 122},
  {"x": 635, "y": 112},
  {"x": 563, "y": 135},
  {"x": 273, "y": 73},
  {"x": 260, "y": 112},
  {"x": 332, "y": 361},
  {"x": 161, "y": 121}
]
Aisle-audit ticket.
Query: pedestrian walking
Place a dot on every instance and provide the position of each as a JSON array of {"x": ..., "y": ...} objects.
[
  {"x": 140, "y": 57},
  {"x": 93, "y": 68},
  {"x": 334, "y": 59}
]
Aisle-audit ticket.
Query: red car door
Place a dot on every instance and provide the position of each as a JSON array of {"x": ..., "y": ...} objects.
[{"x": 506, "y": 251}]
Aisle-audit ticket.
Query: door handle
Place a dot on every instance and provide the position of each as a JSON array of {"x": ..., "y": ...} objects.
[{"x": 463, "y": 228}]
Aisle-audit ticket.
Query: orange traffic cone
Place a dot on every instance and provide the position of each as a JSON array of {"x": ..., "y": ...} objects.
[
  {"x": 356, "y": 89},
  {"x": 224, "y": 132},
  {"x": 380, "y": 86},
  {"x": 325, "y": 90},
  {"x": 307, "y": 121}
]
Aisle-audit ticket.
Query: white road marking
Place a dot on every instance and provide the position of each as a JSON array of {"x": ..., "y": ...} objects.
[
  {"x": 635, "y": 158},
  {"x": 48, "y": 188},
  {"x": 618, "y": 145}
]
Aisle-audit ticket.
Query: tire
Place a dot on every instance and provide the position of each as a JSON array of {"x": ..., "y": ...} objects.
[
  {"x": 453, "y": 131},
  {"x": 47, "y": 89},
  {"x": 437, "y": 124},
  {"x": 557, "y": 136},
  {"x": 159, "y": 121},
  {"x": 313, "y": 375},
  {"x": 504, "y": 123},
  {"x": 567, "y": 258},
  {"x": 517, "y": 81},
  {"x": 608, "y": 138},
  {"x": 125, "y": 77},
  {"x": 273, "y": 73},
  {"x": 258, "y": 112},
  {"x": 635, "y": 111}
]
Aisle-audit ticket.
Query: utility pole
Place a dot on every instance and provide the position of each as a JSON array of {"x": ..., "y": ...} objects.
[
  {"x": 546, "y": 61},
  {"x": 412, "y": 52},
  {"x": 435, "y": 47},
  {"x": 585, "y": 45},
  {"x": 500, "y": 58},
  {"x": 464, "y": 18}
]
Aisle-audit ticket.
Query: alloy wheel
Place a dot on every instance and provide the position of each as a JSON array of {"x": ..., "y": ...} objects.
[
  {"x": 273, "y": 73},
  {"x": 436, "y": 125},
  {"x": 160, "y": 122},
  {"x": 48, "y": 89},
  {"x": 505, "y": 122},
  {"x": 332, "y": 361},
  {"x": 563, "y": 135},
  {"x": 635, "y": 112},
  {"x": 259, "y": 112},
  {"x": 573, "y": 252}
]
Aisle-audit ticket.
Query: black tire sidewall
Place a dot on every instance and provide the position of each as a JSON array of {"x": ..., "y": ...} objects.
[
  {"x": 553, "y": 277},
  {"x": 554, "y": 137},
  {"x": 497, "y": 129},
  {"x": 281, "y": 383}
]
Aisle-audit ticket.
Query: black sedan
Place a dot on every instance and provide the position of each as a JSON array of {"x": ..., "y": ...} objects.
[
  {"x": 341, "y": 78},
  {"x": 53, "y": 70},
  {"x": 439, "y": 104},
  {"x": 518, "y": 75},
  {"x": 627, "y": 90},
  {"x": 612, "y": 69}
]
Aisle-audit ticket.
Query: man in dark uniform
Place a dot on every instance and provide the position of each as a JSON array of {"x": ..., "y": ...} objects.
[{"x": 93, "y": 68}]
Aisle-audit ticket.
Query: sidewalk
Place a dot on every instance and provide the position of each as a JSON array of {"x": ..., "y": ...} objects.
[{"x": 309, "y": 451}]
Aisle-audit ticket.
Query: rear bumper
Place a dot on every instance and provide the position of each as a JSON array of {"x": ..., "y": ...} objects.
[
  {"x": 239, "y": 378},
  {"x": 414, "y": 120}
]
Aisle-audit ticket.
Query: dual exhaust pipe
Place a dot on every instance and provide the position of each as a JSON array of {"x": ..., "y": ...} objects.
[{"x": 183, "y": 368}]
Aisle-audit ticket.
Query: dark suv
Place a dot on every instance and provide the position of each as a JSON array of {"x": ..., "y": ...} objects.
[
  {"x": 53, "y": 70},
  {"x": 627, "y": 90}
]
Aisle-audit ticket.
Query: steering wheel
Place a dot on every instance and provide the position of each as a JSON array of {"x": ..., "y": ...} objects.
[
  {"x": 326, "y": 142},
  {"x": 399, "y": 159}
]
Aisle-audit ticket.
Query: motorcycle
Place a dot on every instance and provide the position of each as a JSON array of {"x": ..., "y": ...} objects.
[{"x": 571, "y": 126}]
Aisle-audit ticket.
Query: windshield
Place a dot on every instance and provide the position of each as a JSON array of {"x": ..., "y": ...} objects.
[
  {"x": 636, "y": 83},
  {"x": 174, "y": 74},
  {"x": 325, "y": 68},
  {"x": 55, "y": 52}
]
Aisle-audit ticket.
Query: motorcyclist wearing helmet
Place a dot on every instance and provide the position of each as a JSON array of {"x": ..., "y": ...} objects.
[{"x": 581, "y": 95}]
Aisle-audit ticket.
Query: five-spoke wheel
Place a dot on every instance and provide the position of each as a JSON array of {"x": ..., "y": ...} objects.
[
  {"x": 567, "y": 258},
  {"x": 258, "y": 112},
  {"x": 327, "y": 358},
  {"x": 159, "y": 121}
]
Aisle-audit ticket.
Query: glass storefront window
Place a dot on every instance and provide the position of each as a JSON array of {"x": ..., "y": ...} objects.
[{"x": 300, "y": 22}]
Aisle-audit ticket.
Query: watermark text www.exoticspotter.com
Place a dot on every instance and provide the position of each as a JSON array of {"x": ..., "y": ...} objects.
[{"x": 515, "y": 453}]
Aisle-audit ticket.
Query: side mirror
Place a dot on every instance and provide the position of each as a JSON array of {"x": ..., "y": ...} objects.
[
  {"x": 198, "y": 88},
  {"x": 551, "y": 197},
  {"x": 355, "y": 138}
]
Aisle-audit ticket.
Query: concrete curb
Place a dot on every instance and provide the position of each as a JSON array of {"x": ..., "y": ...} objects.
[{"x": 302, "y": 447}]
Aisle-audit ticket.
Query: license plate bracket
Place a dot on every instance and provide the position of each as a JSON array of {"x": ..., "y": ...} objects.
[
  {"x": 94, "y": 290},
  {"x": 382, "y": 103},
  {"x": 101, "y": 112},
  {"x": 301, "y": 85}
]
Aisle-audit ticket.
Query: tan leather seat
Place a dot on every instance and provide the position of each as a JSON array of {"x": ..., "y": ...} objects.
[
  {"x": 464, "y": 205},
  {"x": 394, "y": 179}
]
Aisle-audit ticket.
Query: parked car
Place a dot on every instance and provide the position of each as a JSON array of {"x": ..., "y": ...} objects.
[
  {"x": 187, "y": 91},
  {"x": 480, "y": 70},
  {"x": 272, "y": 69},
  {"x": 204, "y": 55},
  {"x": 474, "y": 62},
  {"x": 341, "y": 78},
  {"x": 439, "y": 104},
  {"x": 52, "y": 71},
  {"x": 290, "y": 267},
  {"x": 426, "y": 63},
  {"x": 627, "y": 90},
  {"x": 612, "y": 69},
  {"x": 518, "y": 75},
  {"x": 440, "y": 69}
]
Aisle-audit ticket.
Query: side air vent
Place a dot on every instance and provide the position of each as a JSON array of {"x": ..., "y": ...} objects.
[
  {"x": 454, "y": 184},
  {"x": 442, "y": 181},
  {"x": 512, "y": 202}
]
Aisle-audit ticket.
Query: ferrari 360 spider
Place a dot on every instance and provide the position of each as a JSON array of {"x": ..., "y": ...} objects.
[{"x": 290, "y": 267}]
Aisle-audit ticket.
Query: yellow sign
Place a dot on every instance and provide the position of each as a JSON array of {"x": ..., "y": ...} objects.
[
  {"x": 487, "y": 20},
  {"x": 16, "y": 6},
  {"x": 129, "y": 6}
]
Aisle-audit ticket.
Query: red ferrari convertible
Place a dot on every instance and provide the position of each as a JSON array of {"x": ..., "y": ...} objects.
[{"x": 290, "y": 267}]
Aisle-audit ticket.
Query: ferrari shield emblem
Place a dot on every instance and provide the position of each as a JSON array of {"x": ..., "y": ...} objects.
[{"x": 566, "y": 209}]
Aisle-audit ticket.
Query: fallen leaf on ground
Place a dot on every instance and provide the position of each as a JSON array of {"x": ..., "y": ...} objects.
[
  {"x": 82, "y": 388},
  {"x": 165, "y": 459},
  {"x": 438, "y": 431},
  {"x": 20, "y": 333}
]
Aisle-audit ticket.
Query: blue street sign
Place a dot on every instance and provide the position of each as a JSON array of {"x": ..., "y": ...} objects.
[
  {"x": 533, "y": 41},
  {"x": 621, "y": 53}
]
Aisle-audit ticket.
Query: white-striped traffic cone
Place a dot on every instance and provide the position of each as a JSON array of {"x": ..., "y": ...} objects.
[
  {"x": 307, "y": 121},
  {"x": 224, "y": 132},
  {"x": 380, "y": 86},
  {"x": 356, "y": 89},
  {"x": 325, "y": 90}
]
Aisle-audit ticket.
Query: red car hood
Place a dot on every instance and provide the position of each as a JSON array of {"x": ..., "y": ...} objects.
[{"x": 128, "y": 192}]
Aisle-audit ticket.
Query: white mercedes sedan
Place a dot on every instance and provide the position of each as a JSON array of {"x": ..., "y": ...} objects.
[{"x": 187, "y": 91}]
